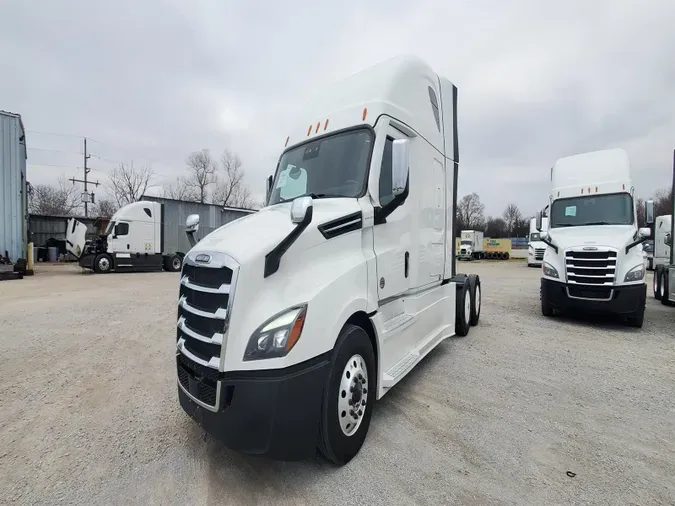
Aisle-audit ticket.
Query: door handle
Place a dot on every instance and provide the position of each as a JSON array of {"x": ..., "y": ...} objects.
[{"x": 407, "y": 258}]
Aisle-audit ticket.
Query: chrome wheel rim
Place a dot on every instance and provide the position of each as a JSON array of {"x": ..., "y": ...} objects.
[
  {"x": 353, "y": 395},
  {"x": 104, "y": 264},
  {"x": 176, "y": 263},
  {"x": 467, "y": 307}
]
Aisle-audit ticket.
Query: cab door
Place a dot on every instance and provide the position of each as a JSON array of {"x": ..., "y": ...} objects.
[{"x": 391, "y": 234}]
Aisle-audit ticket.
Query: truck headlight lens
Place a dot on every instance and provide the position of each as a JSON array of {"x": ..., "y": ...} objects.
[
  {"x": 277, "y": 336},
  {"x": 637, "y": 273},
  {"x": 549, "y": 270}
]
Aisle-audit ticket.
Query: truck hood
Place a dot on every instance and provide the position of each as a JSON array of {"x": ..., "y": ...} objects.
[
  {"x": 75, "y": 237},
  {"x": 607, "y": 236},
  {"x": 257, "y": 234}
]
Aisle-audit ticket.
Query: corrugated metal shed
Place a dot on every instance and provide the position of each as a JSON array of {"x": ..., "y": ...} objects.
[
  {"x": 176, "y": 212},
  {"x": 13, "y": 187},
  {"x": 43, "y": 227}
]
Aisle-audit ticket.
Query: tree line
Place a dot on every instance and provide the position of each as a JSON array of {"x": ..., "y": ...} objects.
[
  {"x": 471, "y": 216},
  {"x": 206, "y": 180}
]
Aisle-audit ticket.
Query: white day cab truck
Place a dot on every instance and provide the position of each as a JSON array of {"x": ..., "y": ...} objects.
[
  {"x": 536, "y": 247},
  {"x": 594, "y": 261},
  {"x": 294, "y": 320},
  {"x": 664, "y": 273},
  {"x": 133, "y": 241},
  {"x": 470, "y": 245}
]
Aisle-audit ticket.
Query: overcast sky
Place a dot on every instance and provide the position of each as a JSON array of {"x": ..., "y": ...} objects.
[{"x": 152, "y": 80}]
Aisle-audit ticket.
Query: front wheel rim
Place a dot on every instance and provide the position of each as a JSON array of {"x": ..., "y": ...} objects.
[
  {"x": 103, "y": 264},
  {"x": 176, "y": 263},
  {"x": 353, "y": 395}
]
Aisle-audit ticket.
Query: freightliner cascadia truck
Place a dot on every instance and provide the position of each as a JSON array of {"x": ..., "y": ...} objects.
[
  {"x": 664, "y": 273},
  {"x": 594, "y": 260},
  {"x": 293, "y": 321}
]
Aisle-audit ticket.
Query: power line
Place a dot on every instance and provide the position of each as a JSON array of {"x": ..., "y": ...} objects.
[
  {"x": 52, "y": 165},
  {"x": 55, "y": 151}
]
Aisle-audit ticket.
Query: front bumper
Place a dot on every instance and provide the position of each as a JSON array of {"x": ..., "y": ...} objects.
[
  {"x": 622, "y": 300},
  {"x": 275, "y": 413}
]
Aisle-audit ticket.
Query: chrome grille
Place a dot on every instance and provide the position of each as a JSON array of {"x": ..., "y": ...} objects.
[
  {"x": 590, "y": 267},
  {"x": 539, "y": 253},
  {"x": 204, "y": 305}
]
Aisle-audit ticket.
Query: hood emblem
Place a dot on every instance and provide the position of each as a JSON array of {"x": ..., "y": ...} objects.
[
  {"x": 203, "y": 258},
  {"x": 590, "y": 248}
]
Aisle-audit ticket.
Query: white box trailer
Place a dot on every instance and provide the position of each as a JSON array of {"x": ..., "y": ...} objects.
[
  {"x": 470, "y": 245},
  {"x": 292, "y": 321}
]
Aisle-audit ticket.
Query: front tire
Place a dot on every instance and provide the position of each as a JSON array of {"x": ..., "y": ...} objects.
[
  {"x": 546, "y": 308},
  {"x": 175, "y": 263},
  {"x": 475, "y": 288},
  {"x": 656, "y": 284},
  {"x": 352, "y": 383},
  {"x": 463, "y": 308},
  {"x": 102, "y": 263},
  {"x": 665, "y": 288}
]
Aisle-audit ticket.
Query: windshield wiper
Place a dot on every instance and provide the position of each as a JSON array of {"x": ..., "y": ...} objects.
[{"x": 314, "y": 196}]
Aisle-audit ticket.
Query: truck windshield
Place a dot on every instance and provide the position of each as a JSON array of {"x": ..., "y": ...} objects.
[
  {"x": 611, "y": 209},
  {"x": 334, "y": 166},
  {"x": 109, "y": 228},
  {"x": 534, "y": 236}
]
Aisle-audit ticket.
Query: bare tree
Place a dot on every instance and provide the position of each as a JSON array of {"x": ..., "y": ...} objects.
[
  {"x": 63, "y": 199},
  {"x": 180, "y": 190},
  {"x": 513, "y": 218},
  {"x": 470, "y": 213},
  {"x": 663, "y": 202},
  {"x": 129, "y": 183},
  {"x": 496, "y": 228},
  {"x": 232, "y": 190},
  {"x": 104, "y": 208},
  {"x": 640, "y": 210},
  {"x": 202, "y": 170}
]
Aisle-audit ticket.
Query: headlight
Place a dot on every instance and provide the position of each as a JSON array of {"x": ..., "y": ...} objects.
[
  {"x": 637, "y": 273},
  {"x": 277, "y": 336},
  {"x": 549, "y": 270}
]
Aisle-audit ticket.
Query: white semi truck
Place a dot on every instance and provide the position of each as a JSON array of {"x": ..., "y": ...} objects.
[
  {"x": 664, "y": 273},
  {"x": 594, "y": 260},
  {"x": 294, "y": 320},
  {"x": 470, "y": 245},
  {"x": 536, "y": 247},
  {"x": 661, "y": 251},
  {"x": 133, "y": 241}
]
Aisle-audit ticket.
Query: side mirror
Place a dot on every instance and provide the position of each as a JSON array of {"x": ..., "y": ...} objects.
[
  {"x": 400, "y": 165},
  {"x": 301, "y": 210},
  {"x": 543, "y": 235},
  {"x": 649, "y": 212},
  {"x": 539, "y": 220},
  {"x": 270, "y": 181},
  {"x": 644, "y": 232},
  {"x": 192, "y": 223}
]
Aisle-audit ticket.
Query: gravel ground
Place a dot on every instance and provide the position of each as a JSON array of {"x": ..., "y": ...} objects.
[{"x": 89, "y": 411}]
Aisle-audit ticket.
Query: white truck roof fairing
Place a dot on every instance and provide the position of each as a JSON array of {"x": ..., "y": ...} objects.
[
  {"x": 136, "y": 211},
  {"x": 604, "y": 171},
  {"x": 403, "y": 87}
]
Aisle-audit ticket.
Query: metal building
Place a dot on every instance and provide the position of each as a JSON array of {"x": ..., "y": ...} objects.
[
  {"x": 13, "y": 187},
  {"x": 176, "y": 212}
]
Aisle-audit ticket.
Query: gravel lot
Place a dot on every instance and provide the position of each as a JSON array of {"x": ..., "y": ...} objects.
[{"x": 89, "y": 411}]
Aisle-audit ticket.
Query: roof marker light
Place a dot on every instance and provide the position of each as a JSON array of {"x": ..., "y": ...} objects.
[
  {"x": 365, "y": 113},
  {"x": 287, "y": 139},
  {"x": 309, "y": 130},
  {"x": 589, "y": 190},
  {"x": 596, "y": 189},
  {"x": 318, "y": 124},
  {"x": 582, "y": 191},
  {"x": 325, "y": 125},
  {"x": 623, "y": 186}
]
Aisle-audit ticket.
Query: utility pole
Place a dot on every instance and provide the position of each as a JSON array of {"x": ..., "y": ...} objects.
[{"x": 86, "y": 171}]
